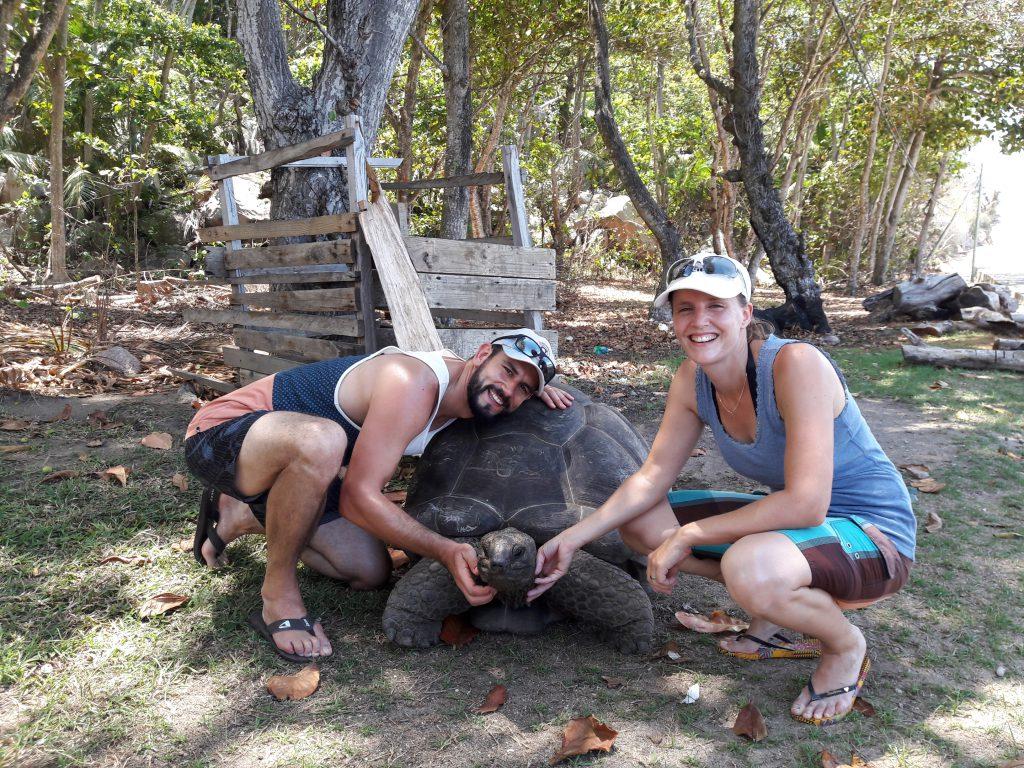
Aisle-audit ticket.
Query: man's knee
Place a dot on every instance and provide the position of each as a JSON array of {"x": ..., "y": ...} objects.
[{"x": 319, "y": 449}]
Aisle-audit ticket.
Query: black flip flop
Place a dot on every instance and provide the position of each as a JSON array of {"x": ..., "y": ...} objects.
[
  {"x": 206, "y": 526},
  {"x": 267, "y": 632}
]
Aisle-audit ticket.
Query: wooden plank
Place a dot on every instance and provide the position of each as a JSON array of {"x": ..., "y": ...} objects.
[
  {"x": 275, "y": 157},
  {"x": 364, "y": 260},
  {"x": 481, "y": 316},
  {"x": 293, "y": 347},
  {"x": 334, "y": 325},
  {"x": 355, "y": 155},
  {"x": 213, "y": 261},
  {"x": 463, "y": 257},
  {"x": 500, "y": 240},
  {"x": 292, "y": 255},
  {"x": 514, "y": 196},
  {"x": 262, "y": 230},
  {"x": 465, "y": 341},
  {"x": 313, "y": 300},
  {"x": 248, "y": 377},
  {"x": 252, "y": 361},
  {"x": 414, "y": 327},
  {"x": 483, "y": 293},
  {"x": 207, "y": 381},
  {"x": 333, "y": 162},
  {"x": 293, "y": 275},
  {"x": 469, "y": 180},
  {"x": 229, "y": 217}
]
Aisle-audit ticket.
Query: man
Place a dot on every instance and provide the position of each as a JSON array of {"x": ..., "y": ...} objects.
[{"x": 269, "y": 454}]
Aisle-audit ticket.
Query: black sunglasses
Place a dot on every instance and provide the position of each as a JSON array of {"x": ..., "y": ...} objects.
[
  {"x": 711, "y": 265},
  {"x": 535, "y": 351}
]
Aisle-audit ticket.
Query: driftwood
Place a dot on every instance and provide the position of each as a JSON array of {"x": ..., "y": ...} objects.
[
  {"x": 965, "y": 358},
  {"x": 939, "y": 328},
  {"x": 62, "y": 288},
  {"x": 977, "y": 296},
  {"x": 1008, "y": 344}
]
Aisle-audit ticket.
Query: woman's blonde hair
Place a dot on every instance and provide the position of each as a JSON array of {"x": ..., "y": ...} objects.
[{"x": 759, "y": 328}]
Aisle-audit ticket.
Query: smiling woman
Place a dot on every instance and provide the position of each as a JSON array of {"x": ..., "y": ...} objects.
[{"x": 836, "y": 531}]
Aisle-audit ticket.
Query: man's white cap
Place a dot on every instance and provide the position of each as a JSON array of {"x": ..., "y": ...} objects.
[
  {"x": 713, "y": 283},
  {"x": 507, "y": 342}
]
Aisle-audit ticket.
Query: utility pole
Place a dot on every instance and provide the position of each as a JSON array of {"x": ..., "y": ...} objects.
[{"x": 977, "y": 215}]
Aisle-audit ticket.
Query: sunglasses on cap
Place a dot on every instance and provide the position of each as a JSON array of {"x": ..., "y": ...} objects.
[
  {"x": 537, "y": 354},
  {"x": 709, "y": 265}
]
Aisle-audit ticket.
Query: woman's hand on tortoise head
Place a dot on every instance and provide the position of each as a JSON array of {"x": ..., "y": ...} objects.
[
  {"x": 553, "y": 560},
  {"x": 663, "y": 563},
  {"x": 460, "y": 560},
  {"x": 553, "y": 397}
]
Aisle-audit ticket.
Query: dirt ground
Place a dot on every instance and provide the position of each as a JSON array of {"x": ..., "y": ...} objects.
[{"x": 84, "y": 682}]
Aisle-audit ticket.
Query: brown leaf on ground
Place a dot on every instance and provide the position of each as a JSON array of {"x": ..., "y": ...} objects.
[
  {"x": 865, "y": 707},
  {"x": 750, "y": 723},
  {"x": 856, "y": 761},
  {"x": 64, "y": 474},
  {"x": 934, "y": 523},
  {"x": 916, "y": 471},
  {"x": 583, "y": 735},
  {"x": 99, "y": 418},
  {"x": 1010, "y": 454},
  {"x": 396, "y": 497},
  {"x": 928, "y": 485},
  {"x": 179, "y": 481},
  {"x": 828, "y": 760},
  {"x": 613, "y": 682},
  {"x": 183, "y": 545},
  {"x": 165, "y": 602},
  {"x": 64, "y": 415},
  {"x": 118, "y": 473},
  {"x": 296, "y": 686},
  {"x": 135, "y": 560},
  {"x": 94, "y": 443},
  {"x": 15, "y": 425},
  {"x": 718, "y": 621},
  {"x": 670, "y": 651},
  {"x": 14, "y": 448},
  {"x": 940, "y": 384},
  {"x": 112, "y": 424},
  {"x": 457, "y": 632},
  {"x": 495, "y": 698},
  {"x": 162, "y": 441},
  {"x": 399, "y": 559}
]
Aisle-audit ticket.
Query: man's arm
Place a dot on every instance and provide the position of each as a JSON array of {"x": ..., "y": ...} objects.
[{"x": 401, "y": 404}]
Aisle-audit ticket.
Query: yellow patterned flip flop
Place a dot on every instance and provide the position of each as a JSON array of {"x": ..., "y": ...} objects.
[
  {"x": 823, "y": 721},
  {"x": 783, "y": 649}
]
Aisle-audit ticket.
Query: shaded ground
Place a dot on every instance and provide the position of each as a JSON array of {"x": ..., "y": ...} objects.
[{"x": 83, "y": 681}]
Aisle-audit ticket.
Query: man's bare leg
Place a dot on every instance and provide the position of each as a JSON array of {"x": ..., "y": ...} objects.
[
  {"x": 234, "y": 520},
  {"x": 342, "y": 550},
  {"x": 296, "y": 457}
]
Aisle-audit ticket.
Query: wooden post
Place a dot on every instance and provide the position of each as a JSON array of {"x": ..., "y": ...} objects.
[
  {"x": 355, "y": 160},
  {"x": 517, "y": 216},
  {"x": 229, "y": 216}
]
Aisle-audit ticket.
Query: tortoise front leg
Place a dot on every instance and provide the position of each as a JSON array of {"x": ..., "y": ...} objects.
[
  {"x": 608, "y": 599},
  {"x": 419, "y": 603}
]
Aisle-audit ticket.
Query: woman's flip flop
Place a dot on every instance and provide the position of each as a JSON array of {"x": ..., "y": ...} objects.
[
  {"x": 206, "y": 526},
  {"x": 784, "y": 649},
  {"x": 855, "y": 687}
]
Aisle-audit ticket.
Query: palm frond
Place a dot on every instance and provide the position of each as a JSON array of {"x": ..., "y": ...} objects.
[
  {"x": 25, "y": 164},
  {"x": 80, "y": 186},
  {"x": 182, "y": 155}
]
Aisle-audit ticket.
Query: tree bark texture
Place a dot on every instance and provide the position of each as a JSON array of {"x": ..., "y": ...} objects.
[
  {"x": 57, "y": 269},
  {"x": 663, "y": 228},
  {"x": 793, "y": 271},
  {"x": 14, "y": 84},
  {"x": 365, "y": 42},
  {"x": 458, "y": 100}
]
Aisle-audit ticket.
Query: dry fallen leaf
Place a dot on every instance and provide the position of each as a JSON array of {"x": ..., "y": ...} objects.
[
  {"x": 828, "y": 760},
  {"x": 916, "y": 471},
  {"x": 718, "y": 621},
  {"x": 457, "y": 632},
  {"x": 856, "y": 761},
  {"x": 162, "y": 441},
  {"x": 296, "y": 686},
  {"x": 399, "y": 558},
  {"x": 583, "y": 735},
  {"x": 165, "y": 602},
  {"x": 928, "y": 485},
  {"x": 183, "y": 545},
  {"x": 15, "y": 425},
  {"x": 14, "y": 448},
  {"x": 670, "y": 651},
  {"x": 98, "y": 417},
  {"x": 940, "y": 384},
  {"x": 864, "y": 706},
  {"x": 1011, "y": 454},
  {"x": 135, "y": 560},
  {"x": 64, "y": 415},
  {"x": 118, "y": 473},
  {"x": 613, "y": 682},
  {"x": 934, "y": 523},
  {"x": 64, "y": 474},
  {"x": 495, "y": 698},
  {"x": 179, "y": 481},
  {"x": 750, "y": 723}
]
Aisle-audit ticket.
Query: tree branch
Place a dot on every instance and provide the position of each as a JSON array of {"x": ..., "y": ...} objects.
[
  {"x": 699, "y": 56},
  {"x": 14, "y": 85},
  {"x": 313, "y": 20}
]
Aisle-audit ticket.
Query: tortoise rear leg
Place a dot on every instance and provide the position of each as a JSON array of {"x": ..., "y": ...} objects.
[
  {"x": 607, "y": 598},
  {"x": 419, "y": 603}
]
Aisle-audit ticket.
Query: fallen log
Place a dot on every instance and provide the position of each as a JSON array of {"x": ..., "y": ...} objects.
[
  {"x": 940, "y": 328},
  {"x": 922, "y": 298},
  {"x": 994, "y": 359},
  {"x": 1008, "y": 344},
  {"x": 53, "y": 289}
]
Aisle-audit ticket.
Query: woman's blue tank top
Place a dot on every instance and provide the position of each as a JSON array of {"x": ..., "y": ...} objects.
[{"x": 864, "y": 482}]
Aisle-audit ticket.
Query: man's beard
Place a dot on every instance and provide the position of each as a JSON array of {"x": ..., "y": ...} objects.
[{"x": 477, "y": 391}]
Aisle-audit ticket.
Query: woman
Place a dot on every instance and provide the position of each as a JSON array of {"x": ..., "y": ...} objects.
[{"x": 836, "y": 531}]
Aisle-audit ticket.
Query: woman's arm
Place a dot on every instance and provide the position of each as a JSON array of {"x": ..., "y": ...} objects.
[{"x": 808, "y": 395}]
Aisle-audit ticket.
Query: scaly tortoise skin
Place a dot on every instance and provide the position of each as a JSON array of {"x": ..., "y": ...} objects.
[{"x": 507, "y": 487}]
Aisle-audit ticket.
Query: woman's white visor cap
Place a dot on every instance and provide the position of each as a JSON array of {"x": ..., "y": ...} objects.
[{"x": 714, "y": 283}]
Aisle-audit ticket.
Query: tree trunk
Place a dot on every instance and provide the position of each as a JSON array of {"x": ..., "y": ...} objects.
[
  {"x": 664, "y": 230},
  {"x": 409, "y": 97},
  {"x": 879, "y": 208},
  {"x": 57, "y": 270},
  {"x": 657, "y": 151},
  {"x": 458, "y": 100},
  {"x": 784, "y": 247},
  {"x": 14, "y": 84},
  {"x": 922, "y": 239}
]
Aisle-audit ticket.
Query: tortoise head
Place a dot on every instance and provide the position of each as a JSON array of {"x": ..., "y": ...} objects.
[{"x": 506, "y": 560}]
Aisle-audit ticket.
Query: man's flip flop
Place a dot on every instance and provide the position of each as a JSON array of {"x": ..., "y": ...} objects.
[
  {"x": 267, "y": 632},
  {"x": 784, "y": 649},
  {"x": 206, "y": 526},
  {"x": 855, "y": 687}
]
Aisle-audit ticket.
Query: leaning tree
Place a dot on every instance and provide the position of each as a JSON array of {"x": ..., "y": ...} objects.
[{"x": 363, "y": 41}]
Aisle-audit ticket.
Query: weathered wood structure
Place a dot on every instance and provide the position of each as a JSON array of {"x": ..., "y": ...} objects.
[{"x": 479, "y": 288}]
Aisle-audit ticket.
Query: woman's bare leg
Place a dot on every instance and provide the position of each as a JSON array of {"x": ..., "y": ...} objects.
[{"x": 645, "y": 533}]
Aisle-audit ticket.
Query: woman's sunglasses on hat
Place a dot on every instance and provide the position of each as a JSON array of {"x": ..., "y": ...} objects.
[{"x": 709, "y": 265}]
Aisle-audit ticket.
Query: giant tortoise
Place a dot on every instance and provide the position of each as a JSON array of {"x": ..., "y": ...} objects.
[{"x": 506, "y": 487}]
